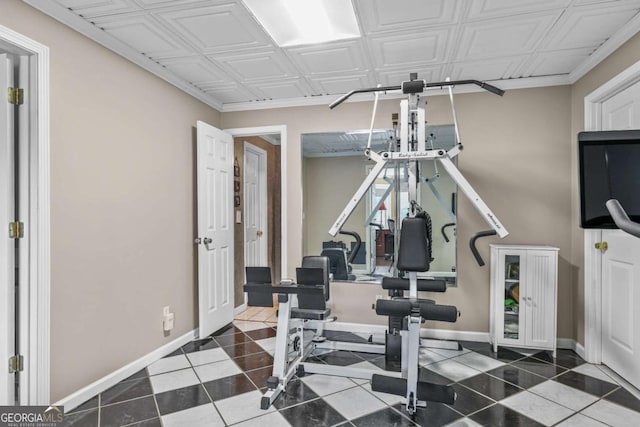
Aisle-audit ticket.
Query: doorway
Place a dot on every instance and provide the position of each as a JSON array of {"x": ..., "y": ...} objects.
[
  {"x": 612, "y": 334},
  {"x": 272, "y": 141},
  {"x": 28, "y": 251}
]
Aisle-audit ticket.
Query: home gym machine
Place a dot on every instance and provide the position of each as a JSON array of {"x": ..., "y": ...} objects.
[
  {"x": 413, "y": 252},
  {"x": 302, "y": 305}
]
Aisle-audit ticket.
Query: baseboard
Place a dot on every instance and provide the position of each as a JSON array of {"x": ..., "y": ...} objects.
[
  {"x": 239, "y": 309},
  {"x": 79, "y": 397},
  {"x": 440, "y": 334},
  {"x": 580, "y": 350}
]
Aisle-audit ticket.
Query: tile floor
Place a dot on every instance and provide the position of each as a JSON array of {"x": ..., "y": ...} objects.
[{"x": 218, "y": 382}]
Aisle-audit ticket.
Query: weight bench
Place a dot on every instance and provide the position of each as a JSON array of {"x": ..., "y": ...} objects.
[{"x": 413, "y": 257}]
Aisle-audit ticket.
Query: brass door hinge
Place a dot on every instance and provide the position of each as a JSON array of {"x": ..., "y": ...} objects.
[
  {"x": 16, "y": 230},
  {"x": 16, "y": 364},
  {"x": 16, "y": 95}
]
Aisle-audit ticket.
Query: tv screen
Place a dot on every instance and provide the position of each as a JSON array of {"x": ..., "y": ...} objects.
[{"x": 609, "y": 169}]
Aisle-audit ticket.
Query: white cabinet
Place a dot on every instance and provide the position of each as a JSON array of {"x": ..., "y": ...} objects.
[{"x": 524, "y": 283}]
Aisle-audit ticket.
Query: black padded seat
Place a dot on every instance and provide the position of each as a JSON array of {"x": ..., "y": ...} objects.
[{"x": 313, "y": 307}]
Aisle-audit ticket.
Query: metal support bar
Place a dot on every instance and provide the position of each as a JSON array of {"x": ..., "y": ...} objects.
[
  {"x": 474, "y": 197},
  {"x": 368, "y": 182}
]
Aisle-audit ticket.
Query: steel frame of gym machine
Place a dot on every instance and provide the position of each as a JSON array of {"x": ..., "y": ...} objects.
[{"x": 292, "y": 348}]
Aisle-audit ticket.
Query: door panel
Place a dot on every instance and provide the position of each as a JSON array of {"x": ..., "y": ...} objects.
[
  {"x": 7, "y": 245},
  {"x": 255, "y": 206},
  {"x": 540, "y": 298},
  {"x": 620, "y": 318},
  {"x": 215, "y": 210},
  {"x": 621, "y": 263}
]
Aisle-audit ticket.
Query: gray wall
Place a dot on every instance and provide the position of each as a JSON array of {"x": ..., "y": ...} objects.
[{"x": 122, "y": 204}]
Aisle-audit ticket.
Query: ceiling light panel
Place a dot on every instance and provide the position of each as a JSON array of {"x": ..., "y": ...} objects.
[{"x": 295, "y": 22}]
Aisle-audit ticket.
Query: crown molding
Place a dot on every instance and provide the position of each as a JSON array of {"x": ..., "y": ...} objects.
[
  {"x": 620, "y": 37},
  {"x": 70, "y": 19},
  {"x": 510, "y": 84}
]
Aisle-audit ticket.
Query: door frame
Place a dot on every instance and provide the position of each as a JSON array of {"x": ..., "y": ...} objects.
[
  {"x": 592, "y": 257},
  {"x": 35, "y": 296},
  {"x": 263, "y": 193},
  {"x": 268, "y": 130}
]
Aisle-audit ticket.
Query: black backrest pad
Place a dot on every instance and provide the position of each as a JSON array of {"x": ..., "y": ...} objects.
[
  {"x": 260, "y": 275},
  {"x": 310, "y": 275},
  {"x": 315, "y": 261},
  {"x": 413, "y": 253}
]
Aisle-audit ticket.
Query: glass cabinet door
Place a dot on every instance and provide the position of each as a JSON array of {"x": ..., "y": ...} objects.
[{"x": 512, "y": 316}]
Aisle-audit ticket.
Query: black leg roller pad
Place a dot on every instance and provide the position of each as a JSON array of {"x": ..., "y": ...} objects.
[
  {"x": 426, "y": 391},
  {"x": 428, "y": 310}
]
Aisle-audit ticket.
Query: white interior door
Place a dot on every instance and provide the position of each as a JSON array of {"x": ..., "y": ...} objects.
[
  {"x": 215, "y": 228},
  {"x": 621, "y": 264},
  {"x": 7, "y": 245},
  {"x": 255, "y": 206}
]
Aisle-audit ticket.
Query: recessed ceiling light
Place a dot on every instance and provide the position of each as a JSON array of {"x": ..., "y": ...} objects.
[{"x": 297, "y": 22}]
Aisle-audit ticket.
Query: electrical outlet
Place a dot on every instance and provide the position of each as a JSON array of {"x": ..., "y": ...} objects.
[{"x": 166, "y": 310}]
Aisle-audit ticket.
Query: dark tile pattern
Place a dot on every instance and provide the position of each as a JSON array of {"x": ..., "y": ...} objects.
[
  {"x": 182, "y": 398},
  {"x": 469, "y": 401},
  {"x": 200, "y": 345},
  {"x": 384, "y": 417},
  {"x": 539, "y": 367},
  {"x": 435, "y": 414},
  {"x": 501, "y": 416},
  {"x": 126, "y": 390},
  {"x": 490, "y": 386},
  {"x": 313, "y": 413},
  {"x": 129, "y": 412},
  {"x": 297, "y": 392},
  {"x": 254, "y": 361},
  {"x": 229, "y": 386},
  {"x": 624, "y": 398},
  {"x": 81, "y": 418},
  {"x": 517, "y": 376},
  {"x": 132, "y": 403},
  {"x": 586, "y": 383}
]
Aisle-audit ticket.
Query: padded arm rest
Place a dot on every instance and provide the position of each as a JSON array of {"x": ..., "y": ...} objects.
[{"x": 424, "y": 285}]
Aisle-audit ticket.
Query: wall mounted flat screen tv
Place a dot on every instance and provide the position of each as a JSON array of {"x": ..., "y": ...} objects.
[{"x": 609, "y": 163}]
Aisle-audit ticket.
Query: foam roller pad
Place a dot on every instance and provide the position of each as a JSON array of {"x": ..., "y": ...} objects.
[
  {"x": 443, "y": 313},
  {"x": 424, "y": 285},
  {"x": 396, "y": 308}
]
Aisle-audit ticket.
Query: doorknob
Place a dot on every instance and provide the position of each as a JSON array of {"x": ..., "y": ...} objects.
[
  {"x": 207, "y": 240},
  {"x": 259, "y": 233},
  {"x": 603, "y": 246}
]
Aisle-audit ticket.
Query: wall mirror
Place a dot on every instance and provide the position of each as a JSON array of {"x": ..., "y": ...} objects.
[{"x": 334, "y": 166}]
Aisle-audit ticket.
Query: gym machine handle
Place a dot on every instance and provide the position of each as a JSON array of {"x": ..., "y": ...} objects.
[
  {"x": 483, "y": 85},
  {"x": 451, "y": 224},
  {"x": 356, "y": 248},
  {"x": 472, "y": 244},
  {"x": 621, "y": 218}
]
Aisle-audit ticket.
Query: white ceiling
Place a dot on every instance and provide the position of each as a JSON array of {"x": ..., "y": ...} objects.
[{"x": 216, "y": 50}]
